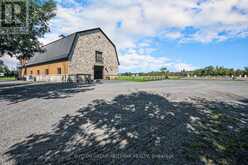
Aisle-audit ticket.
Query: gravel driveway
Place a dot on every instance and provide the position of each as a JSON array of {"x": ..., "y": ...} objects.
[{"x": 118, "y": 122}]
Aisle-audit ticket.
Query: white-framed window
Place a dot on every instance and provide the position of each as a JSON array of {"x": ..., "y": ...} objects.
[{"x": 99, "y": 58}]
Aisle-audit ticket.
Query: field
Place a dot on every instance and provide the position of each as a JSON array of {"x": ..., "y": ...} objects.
[
  {"x": 144, "y": 78},
  {"x": 7, "y": 78},
  {"x": 124, "y": 122}
]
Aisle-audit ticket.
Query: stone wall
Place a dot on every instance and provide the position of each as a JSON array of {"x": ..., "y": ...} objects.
[{"x": 83, "y": 58}]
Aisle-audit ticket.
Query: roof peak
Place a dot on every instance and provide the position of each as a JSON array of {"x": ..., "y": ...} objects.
[
  {"x": 66, "y": 36},
  {"x": 62, "y": 48}
]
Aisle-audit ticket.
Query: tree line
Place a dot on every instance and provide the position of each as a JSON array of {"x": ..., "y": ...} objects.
[
  {"x": 217, "y": 71},
  {"x": 207, "y": 71},
  {"x": 6, "y": 71}
]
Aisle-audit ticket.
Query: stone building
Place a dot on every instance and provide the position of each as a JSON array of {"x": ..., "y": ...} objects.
[{"x": 83, "y": 55}]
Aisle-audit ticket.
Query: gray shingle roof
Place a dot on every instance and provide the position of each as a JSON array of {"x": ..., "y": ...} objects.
[
  {"x": 56, "y": 50},
  {"x": 61, "y": 49}
]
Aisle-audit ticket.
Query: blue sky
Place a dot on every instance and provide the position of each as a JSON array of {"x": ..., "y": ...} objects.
[
  {"x": 151, "y": 34},
  {"x": 232, "y": 53}
]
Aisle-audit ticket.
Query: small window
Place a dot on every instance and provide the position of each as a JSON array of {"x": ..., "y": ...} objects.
[
  {"x": 59, "y": 71},
  {"x": 47, "y": 72},
  {"x": 99, "y": 58},
  {"x": 31, "y": 72},
  {"x": 38, "y": 72}
]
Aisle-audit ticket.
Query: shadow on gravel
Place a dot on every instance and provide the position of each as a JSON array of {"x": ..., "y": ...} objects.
[
  {"x": 142, "y": 128},
  {"x": 44, "y": 91}
]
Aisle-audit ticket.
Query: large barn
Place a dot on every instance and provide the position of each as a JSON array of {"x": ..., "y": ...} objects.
[{"x": 84, "y": 55}]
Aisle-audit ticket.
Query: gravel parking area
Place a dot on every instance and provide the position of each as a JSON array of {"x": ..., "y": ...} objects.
[{"x": 119, "y": 122}]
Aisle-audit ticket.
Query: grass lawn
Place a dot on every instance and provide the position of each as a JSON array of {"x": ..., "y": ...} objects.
[
  {"x": 141, "y": 78},
  {"x": 147, "y": 78},
  {"x": 7, "y": 78},
  {"x": 174, "y": 77}
]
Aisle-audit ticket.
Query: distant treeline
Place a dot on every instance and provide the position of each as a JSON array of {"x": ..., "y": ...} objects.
[
  {"x": 217, "y": 71},
  {"x": 6, "y": 71},
  {"x": 207, "y": 71}
]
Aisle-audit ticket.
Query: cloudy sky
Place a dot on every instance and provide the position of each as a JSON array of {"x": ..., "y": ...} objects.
[{"x": 150, "y": 34}]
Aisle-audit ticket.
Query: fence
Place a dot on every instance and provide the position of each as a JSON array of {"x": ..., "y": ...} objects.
[
  {"x": 142, "y": 78},
  {"x": 224, "y": 78},
  {"x": 60, "y": 78}
]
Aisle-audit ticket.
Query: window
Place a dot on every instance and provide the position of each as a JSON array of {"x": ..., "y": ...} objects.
[
  {"x": 38, "y": 72},
  {"x": 25, "y": 71},
  {"x": 99, "y": 58},
  {"x": 47, "y": 72},
  {"x": 59, "y": 71},
  {"x": 31, "y": 72}
]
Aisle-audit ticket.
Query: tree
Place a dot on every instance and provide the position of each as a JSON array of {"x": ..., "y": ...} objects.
[
  {"x": 4, "y": 69},
  {"x": 25, "y": 45},
  {"x": 221, "y": 71},
  {"x": 239, "y": 72},
  {"x": 164, "y": 69},
  {"x": 246, "y": 70},
  {"x": 210, "y": 70}
]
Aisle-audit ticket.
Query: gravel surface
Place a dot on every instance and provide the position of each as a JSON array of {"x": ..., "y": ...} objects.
[{"x": 116, "y": 122}]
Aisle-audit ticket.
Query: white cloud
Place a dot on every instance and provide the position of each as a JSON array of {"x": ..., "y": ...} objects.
[
  {"x": 142, "y": 62},
  {"x": 135, "y": 61},
  {"x": 49, "y": 38},
  {"x": 173, "y": 34},
  {"x": 11, "y": 62},
  {"x": 215, "y": 20},
  {"x": 182, "y": 66},
  {"x": 162, "y": 13},
  {"x": 150, "y": 17}
]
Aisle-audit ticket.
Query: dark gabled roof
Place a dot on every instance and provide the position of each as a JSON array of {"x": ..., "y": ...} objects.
[
  {"x": 56, "y": 50},
  {"x": 61, "y": 49}
]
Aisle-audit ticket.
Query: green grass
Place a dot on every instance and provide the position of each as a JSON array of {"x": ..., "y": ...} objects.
[
  {"x": 147, "y": 78},
  {"x": 174, "y": 77},
  {"x": 7, "y": 78},
  {"x": 141, "y": 78}
]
